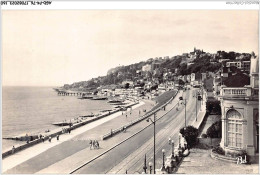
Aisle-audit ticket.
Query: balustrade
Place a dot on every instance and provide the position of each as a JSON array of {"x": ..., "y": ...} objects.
[{"x": 239, "y": 92}]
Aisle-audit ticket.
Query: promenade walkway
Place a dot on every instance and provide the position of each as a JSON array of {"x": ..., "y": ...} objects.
[
  {"x": 87, "y": 155},
  {"x": 75, "y": 151},
  {"x": 24, "y": 161},
  {"x": 199, "y": 161},
  {"x": 51, "y": 157}
]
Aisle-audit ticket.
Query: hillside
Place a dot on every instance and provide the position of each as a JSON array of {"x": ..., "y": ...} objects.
[{"x": 160, "y": 69}]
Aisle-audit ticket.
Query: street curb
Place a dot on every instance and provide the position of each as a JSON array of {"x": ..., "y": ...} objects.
[
  {"x": 120, "y": 142},
  {"x": 59, "y": 132},
  {"x": 118, "y": 130}
]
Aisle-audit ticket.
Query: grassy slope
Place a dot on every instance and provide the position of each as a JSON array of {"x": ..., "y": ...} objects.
[{"x": 163, "y": 98}]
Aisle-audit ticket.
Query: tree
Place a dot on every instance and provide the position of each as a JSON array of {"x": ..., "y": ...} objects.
[
  {"x": 181, "y": 82},
  {"x": 213, "y": 106},
  {"x": 127, "y": 85},
  {"x": 154, "y": 87},
  {"x": 214, "y": 131},
  {"x": 190, "y": 133}
]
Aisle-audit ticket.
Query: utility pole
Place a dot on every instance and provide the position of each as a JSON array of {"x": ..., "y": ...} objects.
[
  {"x": 196, "y": 104},
  {"x": 154, "y": 143},
  {"x": 185, "y": 112},
  {"x": 153, "y": 121}
]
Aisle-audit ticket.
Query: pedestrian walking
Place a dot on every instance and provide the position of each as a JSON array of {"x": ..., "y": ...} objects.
[
  {"x": 90, "y": 144},
  {"x": 94, "y": 144},
  {"x": 58, "y": 137},
  {"x": 139, "y": 112},
  {"x": 97, "y": 145},
  {"x": 42, "y": 139},
  {"x": 69, "y": 130},
  {"x": 50, "y": 139},
  {"x": 125, "y": 115},
  {"x": 122, "y": 113},
  {"x": 13, "y": 149}
]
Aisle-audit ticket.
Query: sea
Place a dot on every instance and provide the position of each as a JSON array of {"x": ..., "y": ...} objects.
[{"x": 30, "y": 110}]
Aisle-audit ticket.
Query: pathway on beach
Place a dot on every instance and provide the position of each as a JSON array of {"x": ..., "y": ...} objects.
[{"x": 43, "y": 155}]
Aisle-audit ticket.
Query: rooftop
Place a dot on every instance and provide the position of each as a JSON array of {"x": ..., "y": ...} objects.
[{"x": 237, "y": 80}]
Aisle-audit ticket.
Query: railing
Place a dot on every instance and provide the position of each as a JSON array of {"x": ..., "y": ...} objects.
[
  {"x": 240, "y": 92},
  {"x": 234, "y": 91}
]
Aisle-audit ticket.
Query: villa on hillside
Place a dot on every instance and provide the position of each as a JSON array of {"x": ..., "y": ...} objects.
[{"x": 195, "y": 79}]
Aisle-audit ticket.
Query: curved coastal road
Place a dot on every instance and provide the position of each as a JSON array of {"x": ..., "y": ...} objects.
[{"x": 130, "y": 154}]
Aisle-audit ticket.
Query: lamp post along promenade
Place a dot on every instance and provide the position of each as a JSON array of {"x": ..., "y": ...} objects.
[{"x": 153, "y": 121}]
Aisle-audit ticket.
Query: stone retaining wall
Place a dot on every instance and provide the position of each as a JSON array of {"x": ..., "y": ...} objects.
[
  {"x": 77, "y": 125},
  {"x": 120, "y": 129},
  {"x": 222, "y": 157}
]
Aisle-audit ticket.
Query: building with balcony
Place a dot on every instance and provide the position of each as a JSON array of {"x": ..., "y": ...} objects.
[
  {"x": 242, "y": 65},
  {"x": 240, "y": 106}
]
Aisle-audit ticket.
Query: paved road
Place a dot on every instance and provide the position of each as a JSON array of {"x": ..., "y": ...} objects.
[{"x": 130, "y": 155}]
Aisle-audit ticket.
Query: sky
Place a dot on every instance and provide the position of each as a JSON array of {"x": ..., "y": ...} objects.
[{"x": 56, "y": 47}]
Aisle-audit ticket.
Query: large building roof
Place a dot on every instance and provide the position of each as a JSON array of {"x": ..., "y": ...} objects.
[{"x": 237, "y": 80}]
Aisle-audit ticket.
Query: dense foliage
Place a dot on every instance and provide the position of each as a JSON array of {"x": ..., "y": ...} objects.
[
  {"x": 213, "y": 106},
  {"x": 190, "y": 133},
  {"x": 176, "y": 65},
  {"x": 214, "y": 131},
  {"x": 218, "y": 150}
]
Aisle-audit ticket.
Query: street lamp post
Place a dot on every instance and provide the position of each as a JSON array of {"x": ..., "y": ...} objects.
[
  {"x": 196, "y": 104},
  {"x": 185, "y": 111},
  {"x": 145, "y": 167},
  {"x": 153, "y": 121},
  {"x": 163, "y": 167},
  {"x": 150, "y": 165},
  {"x": 202, "y": 94},
  {"x": 185, "y": 101},
  {"x": 172, "y": 144}
]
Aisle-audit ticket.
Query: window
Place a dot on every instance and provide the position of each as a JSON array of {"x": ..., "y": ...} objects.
[{"x": 234, "y": 129}]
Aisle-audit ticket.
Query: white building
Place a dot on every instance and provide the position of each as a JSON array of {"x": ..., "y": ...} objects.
[
  {"x": 146, "y": 68},
  {"x": 242, "y": 65},
  {"x": 240, "y": 117}
]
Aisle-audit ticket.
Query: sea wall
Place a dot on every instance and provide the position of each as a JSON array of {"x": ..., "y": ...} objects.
[
  {"x": 150, "y": 113},
  {"x": 59, "y": 132}
]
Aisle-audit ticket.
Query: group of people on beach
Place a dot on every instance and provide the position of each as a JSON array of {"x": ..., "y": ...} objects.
[
  {"x": 93, "y": 144},
  {"x": 49, "y": 138},
  {"x": 126, "y": 112},
  {"x": 66, "y": 130}
]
